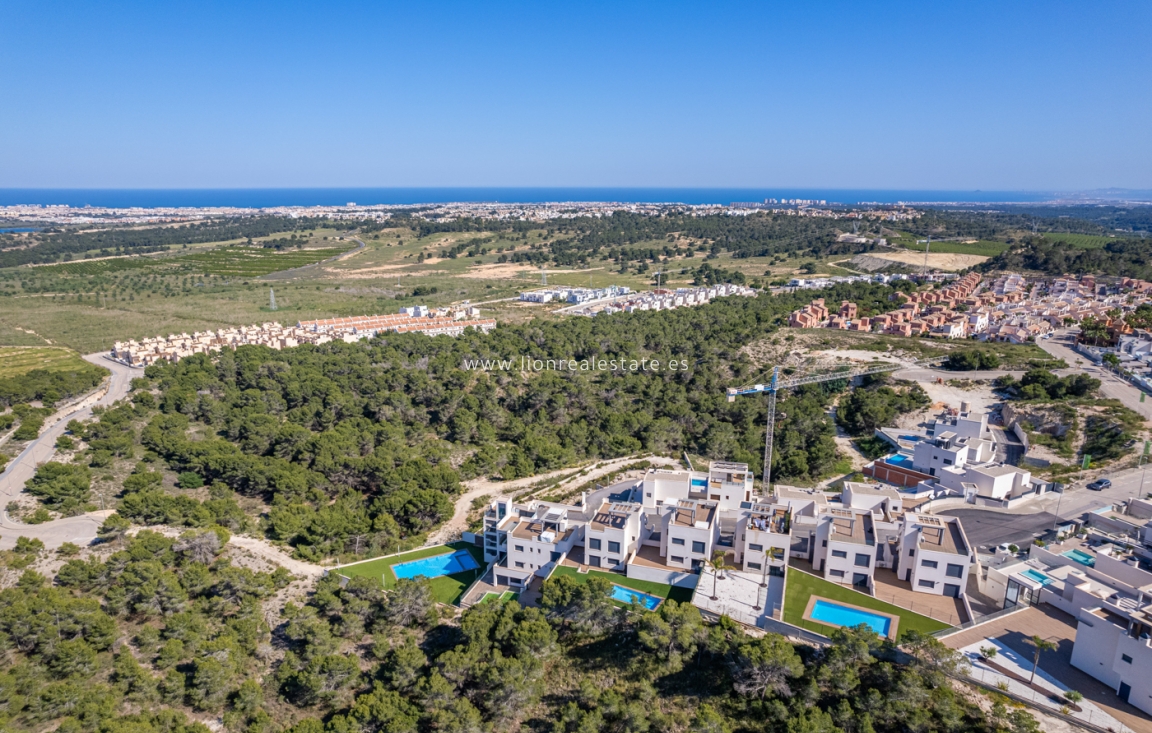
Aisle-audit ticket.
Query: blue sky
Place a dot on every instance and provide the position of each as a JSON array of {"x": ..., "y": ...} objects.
[{"x": 931, "y": 95}]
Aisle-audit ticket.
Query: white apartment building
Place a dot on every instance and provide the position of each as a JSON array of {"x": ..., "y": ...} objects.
[
  {"x": 528, "y": 541},
  {"x": 727, "y": 484}
]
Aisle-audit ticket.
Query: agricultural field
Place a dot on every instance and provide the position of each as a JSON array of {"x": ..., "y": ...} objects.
[
  {"x": 17, "y": 361},
  {"x": 982, "y": 248},
  {"x": 1082, "y": 241},
  {"x": 252, "y": 261}
]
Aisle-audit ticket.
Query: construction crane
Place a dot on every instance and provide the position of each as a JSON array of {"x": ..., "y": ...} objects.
[{"x": 777, "y": 384}]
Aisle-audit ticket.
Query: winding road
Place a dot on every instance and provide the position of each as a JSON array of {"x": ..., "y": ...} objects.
[{"x": 80, "y": 529}]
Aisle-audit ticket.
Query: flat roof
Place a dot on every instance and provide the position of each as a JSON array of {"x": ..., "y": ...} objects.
[
  {"x": 850, "y": 526},
  {"x": 687, "y": 513},
  {"x": 941, "y": 534},
  {"x": 531, "y": 529}
]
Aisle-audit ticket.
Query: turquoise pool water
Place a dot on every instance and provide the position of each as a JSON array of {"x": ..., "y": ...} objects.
[
  {"x": 699, "y": 483},
  {"x": 437, "y": 565},
  {"x": 627, "y": 595},
  {"x": 1081, "y": 557},
  {"x": 1038, "y": 576},
  {"x": 834, "y": 613},
  {"x": 897, "y": 460}
]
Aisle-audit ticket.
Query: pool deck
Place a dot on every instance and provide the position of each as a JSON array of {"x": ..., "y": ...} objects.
[{"x": 893, "y": 625}]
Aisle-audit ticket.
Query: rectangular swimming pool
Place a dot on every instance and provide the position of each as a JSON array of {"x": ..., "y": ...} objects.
[
  {"x": 433, "y": 567},
  {"x": 627, "y": 595},
  {"x": 1081, "y": 557},
  {"x": 837, "y": 615},
  {"x": 897, "y": 460},
  {"x": 1038, "y": 576}
]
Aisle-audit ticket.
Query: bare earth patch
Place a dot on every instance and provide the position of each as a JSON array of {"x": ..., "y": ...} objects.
[
  {"x": 368, "y": 273},
  {"x": 941, "y": 261},
  {"x": 510, "y": 271}
]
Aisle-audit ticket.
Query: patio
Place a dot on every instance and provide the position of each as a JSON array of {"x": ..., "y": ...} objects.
[{"x": 899, "y": 593}]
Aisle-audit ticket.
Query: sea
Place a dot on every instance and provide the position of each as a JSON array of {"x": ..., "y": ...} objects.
[{"x": 263, "y": 198}]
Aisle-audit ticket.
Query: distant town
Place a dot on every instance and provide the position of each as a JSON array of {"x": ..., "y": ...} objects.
[{"x": 1007, "y": 309}]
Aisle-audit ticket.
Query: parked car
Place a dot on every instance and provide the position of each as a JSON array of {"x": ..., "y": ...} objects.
[{"x": 1099, "y": 484}]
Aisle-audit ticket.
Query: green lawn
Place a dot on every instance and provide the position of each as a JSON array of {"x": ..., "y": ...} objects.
[
  {"x": 663, "y": 590},
  {"x": 800, "y": 586},
  {"x": 505, "y": 596},
  {"x": 447, "y": 588}
]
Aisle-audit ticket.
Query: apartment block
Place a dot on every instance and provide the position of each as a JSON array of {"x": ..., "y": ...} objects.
[{"x": 727, "y": 484}]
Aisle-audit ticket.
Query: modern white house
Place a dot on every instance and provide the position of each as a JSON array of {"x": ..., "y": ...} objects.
[
  {"x": 956, "y": 441},
  {"x": 934, "y": 555},
  {"x": 689, "y": 531},
  {"x": 612, "y": 535}
]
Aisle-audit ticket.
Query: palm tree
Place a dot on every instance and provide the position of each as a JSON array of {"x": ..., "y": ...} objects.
[
  {"x": 717, "y": 564},
  {"x": 1042, "y": 645}
]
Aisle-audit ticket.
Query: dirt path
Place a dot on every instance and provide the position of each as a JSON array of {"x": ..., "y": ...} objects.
[{"x": 273, "y": 554}]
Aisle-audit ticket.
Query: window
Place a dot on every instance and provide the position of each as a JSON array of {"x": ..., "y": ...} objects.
[
  {"x": 677, "y": 540},
  {"x": 930, "y": 564},
  {"x": 927, "y": 583},
  {"x": 863, "y": 560},
  {"x": 614, "y": 547},
  {"x": 594, "y": 560},
  {"x": 519, "y": 564},
  {"x": 677, "y": 559},
  {"x": 836, "y": 573},
  {"x": 649, "y": 494},
  {"x": 519, "y": 548},
  {"x": 1126, "y": 659},
  {"x": 839, "y": 553},
  {"x": 947, "y": 461},
  {"x": 777, "y": 553},
  {"x": 697, "y": 547},
  {"x": 911, "y": 553},
  {"x": 824, "y": 543},
  {"x": 593, "y": 544},
  {"x": 954, "y": 571},
  {"x": 754, "y": 565},
  {"x": 756, "y": 548}
]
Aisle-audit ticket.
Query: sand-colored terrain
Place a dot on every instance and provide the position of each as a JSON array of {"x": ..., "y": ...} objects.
[
  {"x": 941, "y": 261},
  {"x": 511, "y": 271}
]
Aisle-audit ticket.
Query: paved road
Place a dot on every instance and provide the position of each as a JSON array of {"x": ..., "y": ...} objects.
[
  {"x": 992, "y": 528},
  {"x": 1061, "y": 346},
  {"x": 80, "y": 529}
]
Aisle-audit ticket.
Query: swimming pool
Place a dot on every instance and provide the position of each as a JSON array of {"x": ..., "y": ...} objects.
[
  {"x": 834, "y": 613},
  {"x": 437, "y": 565},
  {"x": 627, "y": 595},
  {"x": 699, "y": 483},
  {"x": 897, "y": 460},
  {"x": 1081, "y": 557},
  {"x": 910, "y": 438},
  {"x": 1038, "y": 576}
]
